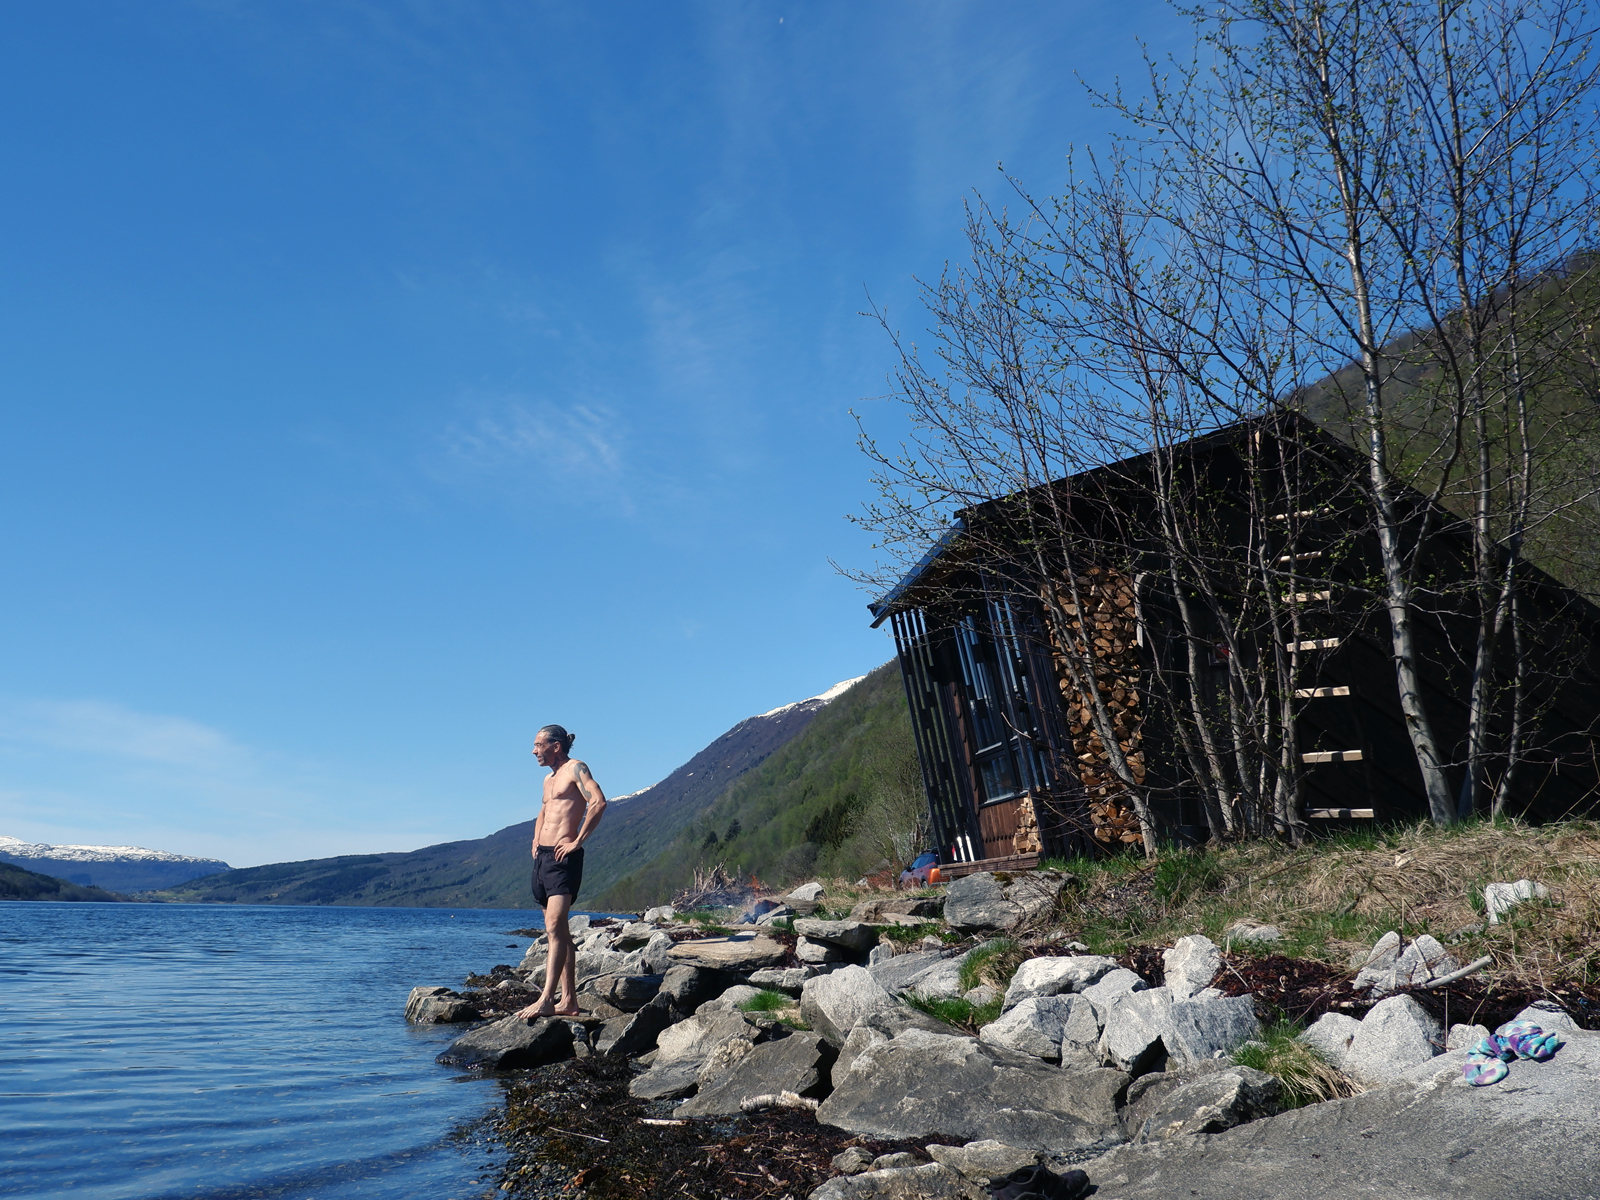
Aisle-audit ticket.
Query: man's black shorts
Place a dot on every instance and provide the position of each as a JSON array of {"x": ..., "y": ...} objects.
[{"x": 552, "y": 878}]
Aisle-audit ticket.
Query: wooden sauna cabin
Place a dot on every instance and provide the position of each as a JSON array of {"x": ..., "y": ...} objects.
[{"x": 1014, "y": 770}]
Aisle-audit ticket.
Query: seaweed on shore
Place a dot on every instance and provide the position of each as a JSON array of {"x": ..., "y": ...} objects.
[{"x": 572, "y": 1130}]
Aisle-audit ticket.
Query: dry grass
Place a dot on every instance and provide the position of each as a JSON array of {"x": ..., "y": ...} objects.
[
  {"x": 1307, "y": 1077},
  {"x": 1334, "y": 898}
]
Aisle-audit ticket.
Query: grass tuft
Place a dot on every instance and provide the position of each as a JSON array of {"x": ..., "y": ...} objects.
[
  {"x": 1307, "y": 1077},
  {"x": 993, "y": 963},
  {"x": 767, "y": 1001},
  {"x": 953, "y": 1010},
  {"x": 912, "y": 933}
]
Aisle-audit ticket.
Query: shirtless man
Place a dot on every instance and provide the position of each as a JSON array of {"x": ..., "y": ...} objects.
[{"x": 573, "y": 805}]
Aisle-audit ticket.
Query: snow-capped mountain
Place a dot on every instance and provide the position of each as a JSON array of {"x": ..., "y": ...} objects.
[
  {"x": 819, "y": 700},
  {"x": 116, "y": 868}
]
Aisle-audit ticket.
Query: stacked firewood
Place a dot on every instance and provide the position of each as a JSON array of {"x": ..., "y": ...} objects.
[
  {"x": 1103, "y": 640},
  {"x": 1026, "y": 839}
]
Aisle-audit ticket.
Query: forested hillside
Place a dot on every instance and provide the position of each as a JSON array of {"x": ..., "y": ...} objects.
[
  {"x": 18, "y": 883},
  {"x": 832, "y": 801}
]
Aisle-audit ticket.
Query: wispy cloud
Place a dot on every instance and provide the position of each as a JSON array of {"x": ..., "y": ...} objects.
[
  {"x": 521, "y": 445},
  {"x": 572, "y": 440},
  {"x": 99, "y": 727}
]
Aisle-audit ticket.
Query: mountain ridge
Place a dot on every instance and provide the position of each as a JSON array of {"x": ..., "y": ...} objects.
[
  {"x": 493, "y": 871},
  {"x": 115, "y": 868}
]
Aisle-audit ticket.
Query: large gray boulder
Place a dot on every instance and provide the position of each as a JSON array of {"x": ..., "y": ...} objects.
[
  {"x": 1395, "y": 1035},
  {"x": 635, "y": 935},
  {"x": 1191, "y": 965},
  {"x": 438, "y": 1006},
  {"x": 883, "y": 1025},
  {"x": 816, "y": 953},
  {"x": 597, "y": 960},
  {"x": 1434, "y": 1138},
  {"x": 921, "y": 1085},
  {"x": 1145, "y": 1030},
  {"x": 1211, "y": 1103},
  {"x": 854, "y": 936},
  {"x": 657, "y": 953},
  {"x": 991, "y": 900},
  {"x": 731, "y": 1000},
  {"x": 1114, "y": 984},
  {"x": 628, "y": 993},
  {"x": 1391, "y": 965},
  {"x": 1035, "y": 1027},
  {"x": 930, "y": 1181},
  {"x": 699, "y": 1035},
  {"x": 832, "y": 1004},
  {"x": 1330, "y": 1036},
  {"x": 1051, "y": 976},
  {"x": 510, "y": 1042},
  {"x": 983, "y": 1161},
  {"x": 637, "y": 1034},
  {"x": 782, "y": 979},
  {"x": 690, "y": 987},
  {"x": 932, "y": 973},
  {"x": 798, "y": 1063}
]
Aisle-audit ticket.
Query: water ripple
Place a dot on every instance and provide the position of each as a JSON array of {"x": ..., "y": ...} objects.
[{"x": 154, "y": 1051}]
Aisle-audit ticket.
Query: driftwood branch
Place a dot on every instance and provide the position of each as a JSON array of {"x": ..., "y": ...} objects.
[
  {"x": 1469, "y": 969},
  {"x": 777, "y": 1100}
]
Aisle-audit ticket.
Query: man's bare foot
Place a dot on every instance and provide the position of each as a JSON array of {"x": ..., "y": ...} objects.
[{"x": 534, "y": 1011}]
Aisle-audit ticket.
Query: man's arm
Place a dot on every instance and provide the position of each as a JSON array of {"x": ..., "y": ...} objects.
[
  {"x": 594, "y": 801},
  {"x": 538, "y": 828}
]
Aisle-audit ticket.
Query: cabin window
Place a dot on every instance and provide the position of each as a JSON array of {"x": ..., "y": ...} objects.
[{"x": 994, "y": 741}]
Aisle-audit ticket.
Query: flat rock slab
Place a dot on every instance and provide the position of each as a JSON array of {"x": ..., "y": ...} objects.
[
  {"x": 510, "y": 1042},
  {"x": 848, "y": 935},
  {"x": 667, "y": 1082},
  {"x": 1529, "y": 1137},
  {"x": 922, "y": 1085},
  {"x": 742, "y": 952},
  {"x": 798, "y": 1063},
  {"x": 923, "y": 908}
]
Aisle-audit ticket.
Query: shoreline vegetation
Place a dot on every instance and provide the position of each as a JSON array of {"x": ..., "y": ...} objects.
[{"x": 634, "y": 1100}]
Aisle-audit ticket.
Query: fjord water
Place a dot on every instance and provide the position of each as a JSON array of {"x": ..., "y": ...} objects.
[{"x": 217, "y": 1052}]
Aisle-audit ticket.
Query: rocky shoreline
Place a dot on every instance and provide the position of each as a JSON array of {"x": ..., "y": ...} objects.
[{"x": 921, "y": 1046}]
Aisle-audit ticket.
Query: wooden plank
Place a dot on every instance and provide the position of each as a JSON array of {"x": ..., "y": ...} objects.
[
  {"x": 1293, "y": 558},
  {"x": 1306, "y": 597},
  {"x": 1338, "y": 814},
  {"x": 1319, "y": 692},
  {"x": 1331, "y": 756},
  {"x": 1314, "y": 644},
  {"x": 1011, "y": 862}
]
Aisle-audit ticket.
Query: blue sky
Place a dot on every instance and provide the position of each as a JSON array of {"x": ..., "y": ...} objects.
[{"x": 382, "y": 381}]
